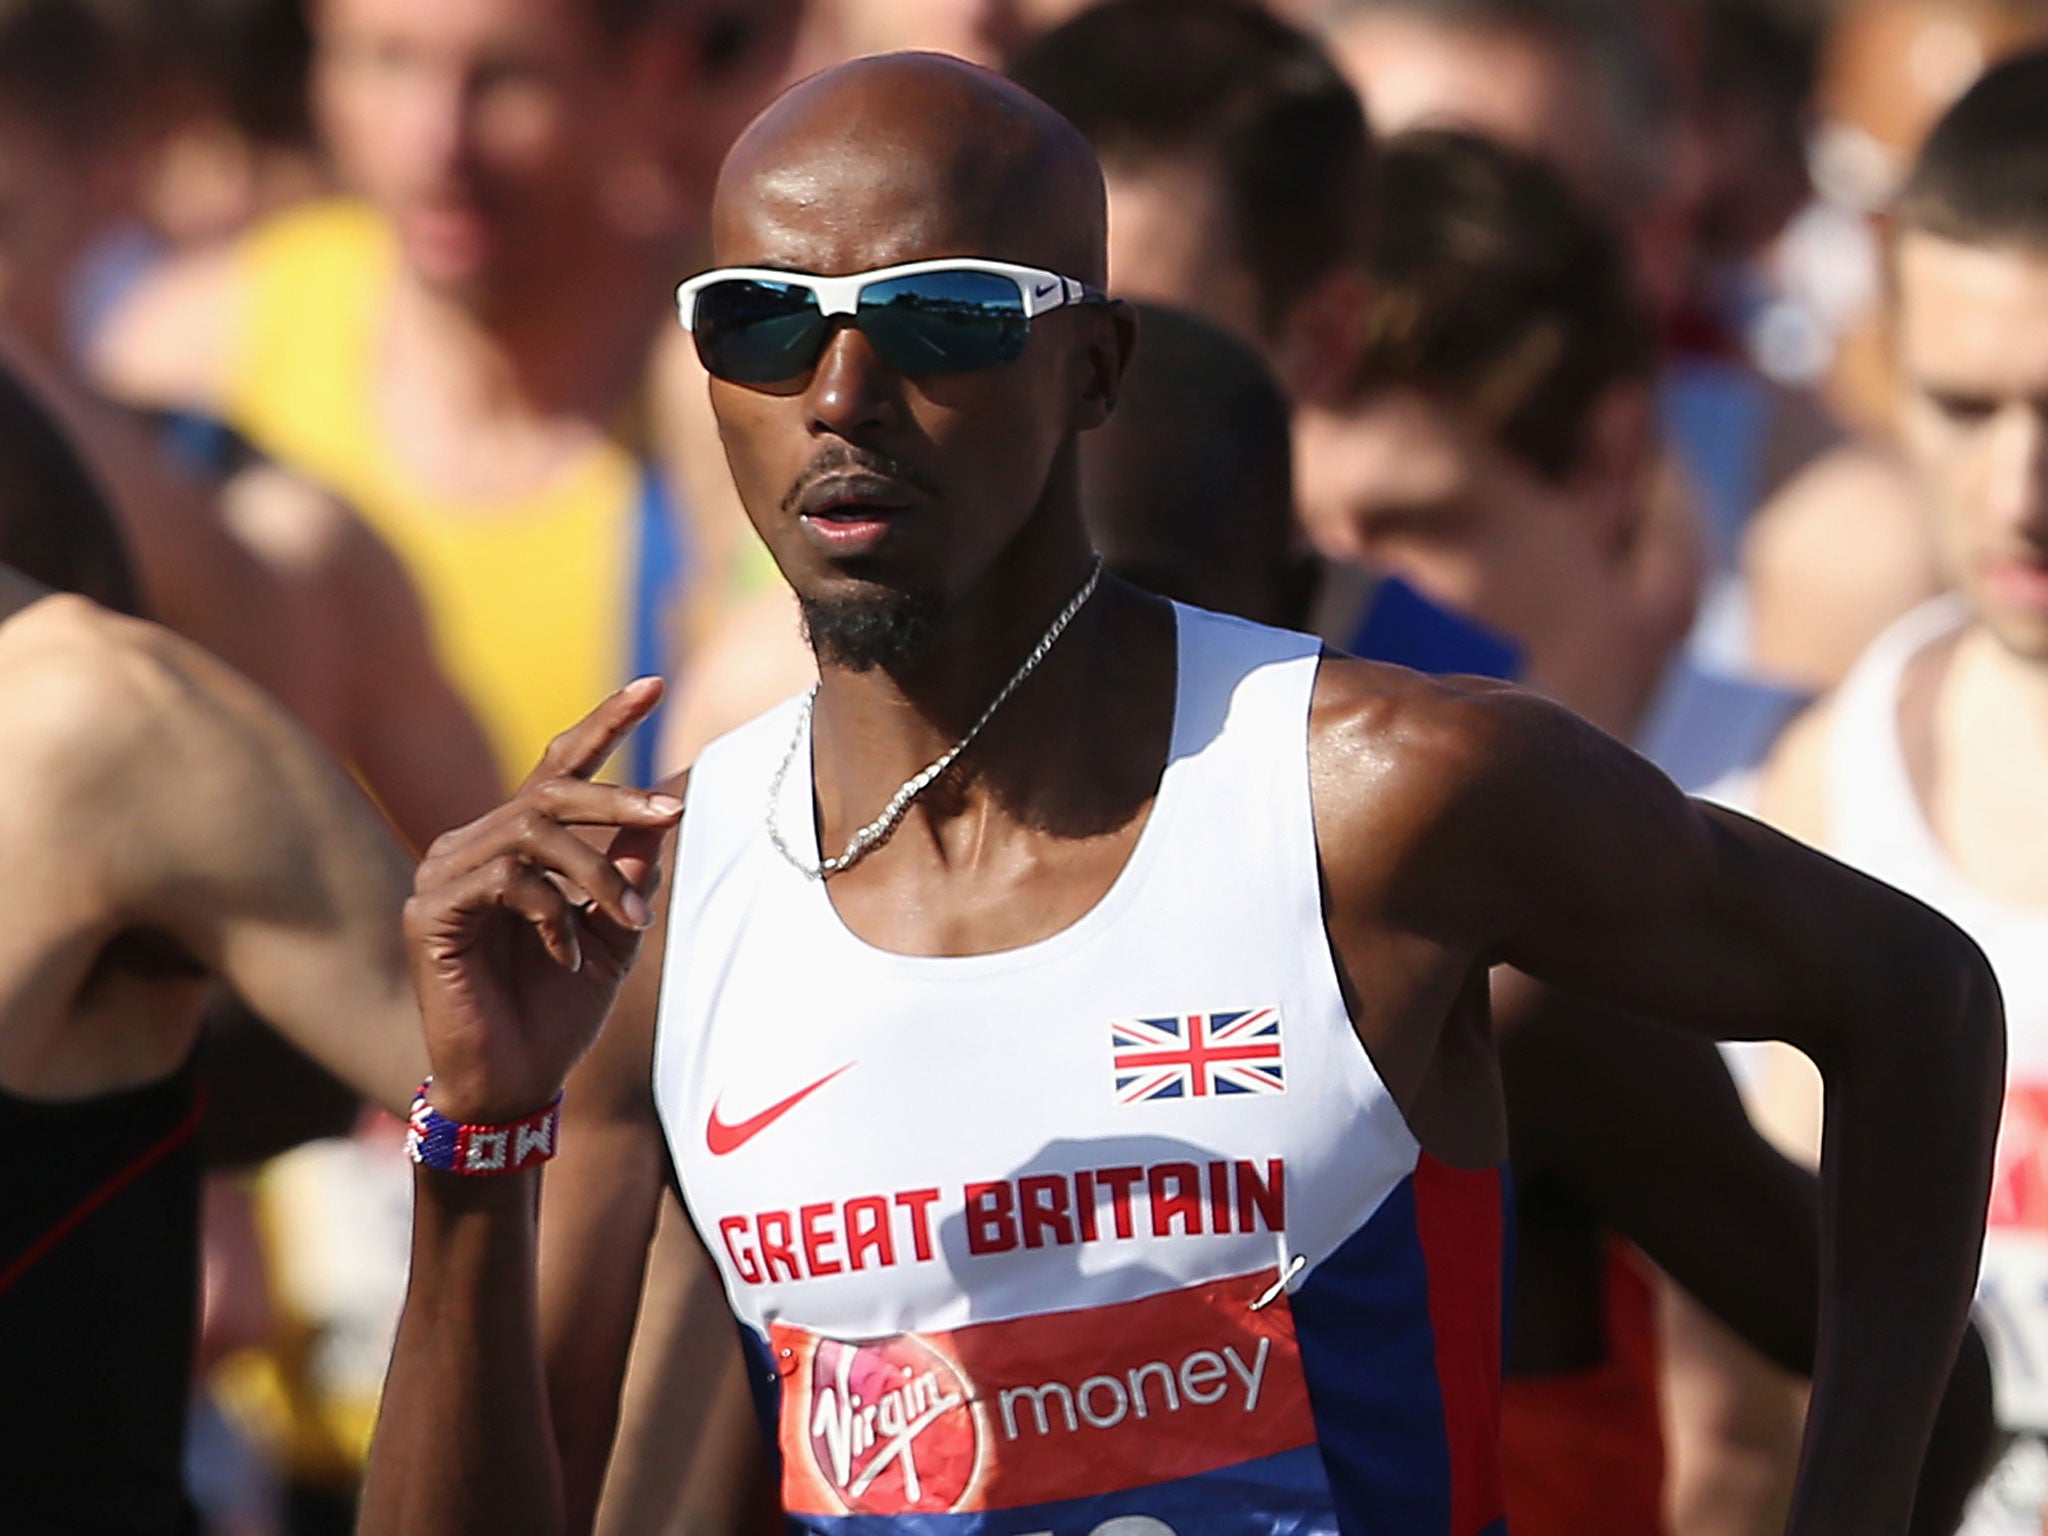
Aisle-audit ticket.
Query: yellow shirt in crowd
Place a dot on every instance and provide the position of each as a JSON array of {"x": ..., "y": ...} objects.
[{"x": 541, "y": 604}]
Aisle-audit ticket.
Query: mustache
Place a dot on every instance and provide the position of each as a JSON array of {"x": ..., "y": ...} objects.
[{"x": 843, "y": 459}]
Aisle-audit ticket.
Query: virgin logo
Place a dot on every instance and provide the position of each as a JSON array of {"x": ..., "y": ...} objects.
[{"x": 891, "y": 1430}]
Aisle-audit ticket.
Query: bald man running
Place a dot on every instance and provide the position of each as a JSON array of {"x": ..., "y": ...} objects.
[
  {"x": 1101, "y": 1133},
  {"x": 163, "y": 826}
]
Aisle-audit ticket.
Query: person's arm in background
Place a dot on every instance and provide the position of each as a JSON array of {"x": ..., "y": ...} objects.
[
  {"x": 171, "y": 343},
  {"x": 514, "y": 981},
  {"x": 371, "y": 687},
  {"x": 406, "y": 730},
  {"x": 270, "y": 866},
  {"x": 752, "y": 659}
]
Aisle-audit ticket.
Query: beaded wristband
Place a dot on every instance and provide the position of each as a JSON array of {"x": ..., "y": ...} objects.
[{"x": 434, "y": 1141}]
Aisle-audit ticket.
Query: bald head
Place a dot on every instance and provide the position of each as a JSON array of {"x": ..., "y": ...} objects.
[{"x": 908, "y": 156}]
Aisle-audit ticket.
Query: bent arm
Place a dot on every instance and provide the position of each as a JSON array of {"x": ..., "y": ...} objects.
[
  {"x": 502, "y": 1398},
  {"x": 502, "y": 1401},
  {"x": 1601, "y": 877},
  {"x": 1647, "y": 1126},
  {"x": 412, "y": 737},
  {"x": 234, "y": 834}
]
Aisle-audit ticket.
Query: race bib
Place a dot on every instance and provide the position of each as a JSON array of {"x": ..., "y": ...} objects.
[{"x": 1182, "y": 1411}]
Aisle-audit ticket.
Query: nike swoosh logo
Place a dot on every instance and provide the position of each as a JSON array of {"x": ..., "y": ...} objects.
[
  {"x": 1048, "y": 288},
  {"x": 722, "y": 1138}
]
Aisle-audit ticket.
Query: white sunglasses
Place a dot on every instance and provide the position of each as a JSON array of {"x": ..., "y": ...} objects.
[{"x": 760, "y": 325}]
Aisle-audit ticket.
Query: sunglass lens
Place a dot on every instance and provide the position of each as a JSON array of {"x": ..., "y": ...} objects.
[
  {"x": 944, "y": 322},
  {"x": 755, "y": 332}
]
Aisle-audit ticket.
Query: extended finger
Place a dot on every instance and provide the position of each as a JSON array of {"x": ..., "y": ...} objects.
[
  {"x": 582, "y": 803},
  {"x": 581, "y": 750},
  {"x": 570, "y": 802}
]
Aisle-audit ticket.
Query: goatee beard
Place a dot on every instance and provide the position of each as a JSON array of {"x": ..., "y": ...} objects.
[{"x": 889, "y": 629}]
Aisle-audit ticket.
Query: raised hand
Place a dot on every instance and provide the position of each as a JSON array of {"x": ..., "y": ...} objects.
[{"x": 520, "y": 931}]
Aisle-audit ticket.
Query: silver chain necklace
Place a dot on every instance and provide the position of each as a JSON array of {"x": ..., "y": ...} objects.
[{"x": 863, "y": 842}]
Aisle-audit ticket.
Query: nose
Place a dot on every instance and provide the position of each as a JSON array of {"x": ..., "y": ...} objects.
[
  {"x": 430, "y": 114},
  {"x": 852, "y": 392},
  {"x": 2019, "y": 474}
]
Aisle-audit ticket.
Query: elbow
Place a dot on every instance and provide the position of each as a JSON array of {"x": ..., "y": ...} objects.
[
  {"x": 1978, "y": 1014},
  {"x": 1930, "y": 1013},
  {"x": 1960, "y": 1047}
]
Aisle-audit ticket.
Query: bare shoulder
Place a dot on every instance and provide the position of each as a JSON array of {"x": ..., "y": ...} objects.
[
  {"x": 169, "y": 344},
  {"x": 120, "y": 737},
  {"x": 1390, "y": 744},
  {"x": 1448, "y": 802},
  {"x": 83, "y": 691},
  {"x": 1835, "y": 555},
  {"x": 135, "y": 725}
]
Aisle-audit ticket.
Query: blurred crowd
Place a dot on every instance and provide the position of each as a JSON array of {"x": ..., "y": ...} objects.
[{"x": 1554, "y": 339}]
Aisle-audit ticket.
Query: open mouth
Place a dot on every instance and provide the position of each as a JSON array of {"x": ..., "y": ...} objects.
[
  {"x": 852, "y": 514},
  {"x": 848, "y": 517},
  {"x": 856, "y": 511},
  {"x": 857, "y": 495}
]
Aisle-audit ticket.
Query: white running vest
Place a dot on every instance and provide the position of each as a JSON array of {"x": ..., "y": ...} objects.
[
  {"x": 1119, "y": 1226},
  {"x": 1876, "y": 822}
]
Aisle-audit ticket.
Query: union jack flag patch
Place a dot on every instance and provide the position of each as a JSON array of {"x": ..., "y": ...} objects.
[{"x": 1197, "y": 1055}]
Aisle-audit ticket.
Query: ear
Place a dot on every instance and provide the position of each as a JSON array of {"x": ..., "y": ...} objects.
[
  {"x": 1316, "y": 354},
  {"x": 1102, "y": 361},
  {"x": 1619, "y": 455}
]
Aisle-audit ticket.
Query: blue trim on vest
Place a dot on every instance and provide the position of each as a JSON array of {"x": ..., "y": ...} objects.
[
  {"x": 1281, "y": 1495},
  {"x": 1369, "y": 1353}
]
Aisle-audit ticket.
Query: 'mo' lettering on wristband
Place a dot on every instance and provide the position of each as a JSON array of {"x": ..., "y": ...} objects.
[{"x": 434, "y": 1141}]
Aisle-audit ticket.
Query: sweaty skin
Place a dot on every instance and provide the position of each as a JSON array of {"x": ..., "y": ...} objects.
[{"x": 1458, "y": 826}]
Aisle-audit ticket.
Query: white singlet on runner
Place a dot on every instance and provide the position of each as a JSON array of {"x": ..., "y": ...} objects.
[{"x": 1117, "y": 1232}]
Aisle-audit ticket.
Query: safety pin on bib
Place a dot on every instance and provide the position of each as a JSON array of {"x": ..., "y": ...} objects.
[{"x": 1273, "y": 1291}]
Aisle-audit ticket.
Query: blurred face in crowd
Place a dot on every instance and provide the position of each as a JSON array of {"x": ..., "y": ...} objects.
[
  {"x": 490, "y": 131},
  {"x": 1404, "y": 484},
  {"x": 1972, "y": 334},
  {"x": 1170, "y": 243},
  {"x": 1515, "y": 86},
  {"x": 1543, "y": 95},
  {"x": 981, "y": 30}
]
